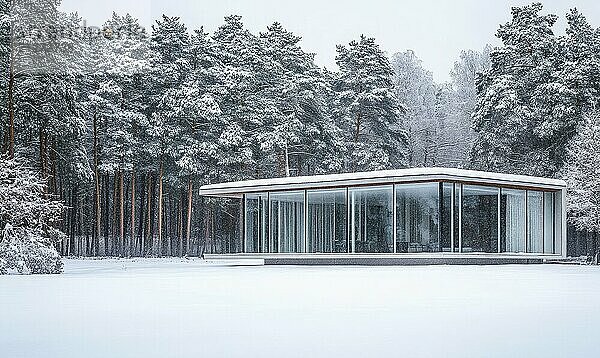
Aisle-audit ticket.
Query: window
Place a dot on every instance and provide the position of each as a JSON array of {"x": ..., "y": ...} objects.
[
  {"x": 457, "y": 215},
  {"x": 535, "y": 221},
  {"x": 548, "y": 223},
  {"x": 417, "y": 219},
  {"x": 429, "y": 217},
  {"x": 479, "y": 219},
  {"x": 256, "y": 223},
  {"x": 287, "y": 222},
  {"x": 446, "y": 217},
  {"x": 512, "y": 220},
  {"x": 327, "y": 221},
  {"x": 558, "y": 218},
  {"x": 371, "y": 219}
]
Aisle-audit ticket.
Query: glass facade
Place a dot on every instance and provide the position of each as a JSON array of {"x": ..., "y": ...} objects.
[
  {"x": 287, "y": 222},
  {"x": 425, "y": 217},
  {"x": 549, "y": 223},
  {"x": 371, "y": 229},
  {"x": 446, "y": 215},
  {"x": 535, "y": 221},
  {"x": 479, "y": 219},
  {"x": 417, "y": 217},
  {"x": 327, "y": 224},
  {"x": 513, "y": 220},
  {"x": 257, "y": 235}
]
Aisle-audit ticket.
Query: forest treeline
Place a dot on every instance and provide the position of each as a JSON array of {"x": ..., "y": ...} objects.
[{"x": 125, "y": 123}]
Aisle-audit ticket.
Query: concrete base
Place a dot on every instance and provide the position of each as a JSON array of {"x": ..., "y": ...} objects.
[{"x": 387, "y": 259}]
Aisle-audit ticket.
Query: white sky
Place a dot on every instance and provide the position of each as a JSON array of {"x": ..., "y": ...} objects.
[{"x": 436, "y": 30}]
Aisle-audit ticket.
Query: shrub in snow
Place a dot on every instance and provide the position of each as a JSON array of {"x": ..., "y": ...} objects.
[
  {"x": 25, "y": 252},
  {"x": 27, "y": 219}
]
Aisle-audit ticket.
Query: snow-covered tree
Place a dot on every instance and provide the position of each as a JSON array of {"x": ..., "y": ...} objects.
[
  {"x": 28, "y": 220},
  {"x": 367, "y": 109},
  {"x": 534, "y": 95},
  {"x": 465, "y": 72},
  {"x": 416, "y": 90},
  {"x": 582, "y": 174},
  {"x": 299, "y": 134}
]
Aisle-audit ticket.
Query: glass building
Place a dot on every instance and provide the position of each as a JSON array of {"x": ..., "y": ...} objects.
[{"x": 432, "y": 212}]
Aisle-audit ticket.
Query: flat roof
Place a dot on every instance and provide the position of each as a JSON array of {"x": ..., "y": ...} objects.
[{"x": 236, "y": 189}]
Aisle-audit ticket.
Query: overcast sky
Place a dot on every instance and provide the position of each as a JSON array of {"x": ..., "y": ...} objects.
[{"x": 436, "y": 30}]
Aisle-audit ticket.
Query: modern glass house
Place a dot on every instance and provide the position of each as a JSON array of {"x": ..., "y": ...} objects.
[{"x": 432, "y": 215}]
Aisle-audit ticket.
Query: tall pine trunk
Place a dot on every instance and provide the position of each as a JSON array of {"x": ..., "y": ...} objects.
[
  {"x": 149, "y": 237},
  {"x": 121, "y": 215},
  {"x": 160, "y": 206},
  {"x": 98, "y": 210},
  {"x": 132, "y": 235},
  {"x": 106, "y": 185},
  {"x": 115, "y": 219},
  {"x": 11, "y": 107},
  {"x": 188, "y": 226}
]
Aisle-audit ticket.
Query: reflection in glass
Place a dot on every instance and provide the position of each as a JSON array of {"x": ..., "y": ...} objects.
[
  {"x": 558, "y": 214},
  {"x": 535, "y": 221},
  {"x": 479, "y": 219},
  {"x": 512, "y": 220},
  {"x": 446, "y": 217},
  {"x": 371, "y": 219},
  {"x": 327, "y": 224},
  {"x": 256, "y": 223},
  {"x": 417, "y": 207},
  {"x": 548, "y": 223},
  {"x": 287, "y": 221},
  {"x": 457, "y": 215}
]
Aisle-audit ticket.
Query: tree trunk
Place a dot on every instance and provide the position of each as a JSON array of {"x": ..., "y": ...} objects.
[
  {"x": 149, "y": 236},
  {"x": 121, "y": 215},
  {"x": 188, "y": 227},
  {"x": 132, "y": 235},
  {"x": 11, "y": 107},
  {"x": 53, "y": 166},
  {"x": 106, "y": 185},
  {"x": 357, "y": 136},
  {"x": 115, "y": 220},
  {"x": 160, "y": 205},
  {"x": 287, "y": 160},
  {"x": 142, "y": 221},
  {"x": 42, "y": 155},
  {"x": 97, "y": 188},
  {"x": 180, "y": 212}
]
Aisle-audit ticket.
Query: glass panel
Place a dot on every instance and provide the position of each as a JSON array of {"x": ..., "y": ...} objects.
[
  {"x": 256, "y": 223},
  {"x": 327, "y": 221},
  {"x": 535, "y": 221},
  {"x": 457, "y": 213},
  {"x": 558, "y": 222},
  {"x": 371, "y": 213},
  {"x": 446, "y": 217},
  {"x": 287, "y": 221},
  {"x": 417, "y": 207},
  {"x": 548, "y": 223},
  {"x": 479, "y": 219},
  {"x": 512, "y": 220}
]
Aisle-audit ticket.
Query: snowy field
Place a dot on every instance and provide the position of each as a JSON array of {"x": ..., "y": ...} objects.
[{"x": 185, "y": 308}]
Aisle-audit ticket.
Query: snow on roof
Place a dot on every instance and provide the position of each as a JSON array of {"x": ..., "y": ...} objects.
[{"x": 379, "y": 177}]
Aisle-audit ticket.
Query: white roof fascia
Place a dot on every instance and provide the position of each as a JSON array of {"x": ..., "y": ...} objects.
[{"x": 235, "y": 189}]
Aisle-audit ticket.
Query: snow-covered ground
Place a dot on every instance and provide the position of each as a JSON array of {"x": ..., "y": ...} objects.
[{"x": 186, "y": 308}]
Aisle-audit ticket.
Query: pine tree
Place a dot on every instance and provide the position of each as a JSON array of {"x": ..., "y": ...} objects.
[
  {"x": 300, "y": 133},
  {"x": 244, "y": 108},
  {"x": 582, "y": 174},
  {"x": 532, "y": 98},
  {"x": 28, "y": 220},
  {"x": 368, "y": 110}
]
